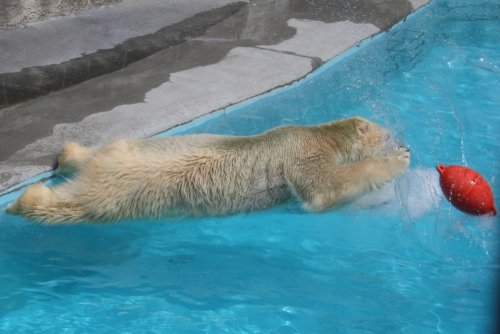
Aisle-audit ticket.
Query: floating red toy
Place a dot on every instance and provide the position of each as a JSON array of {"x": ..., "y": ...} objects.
[{"x": 466, "y": 190}]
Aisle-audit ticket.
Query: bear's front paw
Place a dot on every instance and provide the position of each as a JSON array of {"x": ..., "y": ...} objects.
[{"x": 399, "y": 159}]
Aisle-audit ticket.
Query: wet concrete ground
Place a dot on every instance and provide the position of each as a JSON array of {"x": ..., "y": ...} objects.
[
  {"x": 14, "y": 13},
  {"x": 133, "y": 71}
]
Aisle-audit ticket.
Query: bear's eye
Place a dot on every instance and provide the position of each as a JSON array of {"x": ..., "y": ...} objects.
[{"x": 363, "y": 128}]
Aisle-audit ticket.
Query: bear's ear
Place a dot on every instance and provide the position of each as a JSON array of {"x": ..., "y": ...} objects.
[{"x": 363, "y": 128}]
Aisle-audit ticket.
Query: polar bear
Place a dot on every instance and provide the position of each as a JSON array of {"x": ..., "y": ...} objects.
[{"x": 205, "y": 174}]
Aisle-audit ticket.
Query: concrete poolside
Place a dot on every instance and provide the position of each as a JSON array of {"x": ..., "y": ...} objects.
[{"x": 135, "y": 69}]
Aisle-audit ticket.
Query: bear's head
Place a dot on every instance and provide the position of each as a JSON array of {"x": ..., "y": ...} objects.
[
  {"x": 373, "y": 139},
  {"x": 356, "y": 138}
]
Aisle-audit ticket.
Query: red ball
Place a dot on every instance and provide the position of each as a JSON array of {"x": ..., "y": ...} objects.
[{"x": 466, "y": 190}]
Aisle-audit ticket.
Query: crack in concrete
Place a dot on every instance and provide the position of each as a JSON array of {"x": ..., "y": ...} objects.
[{"x": 315, "y": 61}]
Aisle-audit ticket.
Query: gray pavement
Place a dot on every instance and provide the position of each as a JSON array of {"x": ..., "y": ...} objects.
[
  {"x": 14, "y": 13},
  {"x": 58, "y": 40},
  {"x": 114, "y": 37},
  {"x": 184, "y": 59}
]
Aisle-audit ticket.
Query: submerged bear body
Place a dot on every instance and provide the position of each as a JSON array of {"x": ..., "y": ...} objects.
[{"x": 206, "y": 174}]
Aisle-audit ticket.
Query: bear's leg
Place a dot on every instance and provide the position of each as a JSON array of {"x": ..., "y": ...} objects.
[
  {"x": 71, "y": 158},
  {"x": 328, "y": 185},
  {"x": 47, "y": 205}
]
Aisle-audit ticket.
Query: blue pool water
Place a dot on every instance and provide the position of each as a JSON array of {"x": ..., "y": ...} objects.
[{"x": 402, "y": 260}]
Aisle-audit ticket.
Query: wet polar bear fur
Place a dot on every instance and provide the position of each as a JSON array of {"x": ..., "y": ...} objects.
[{"x": 198, "y": 175}]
